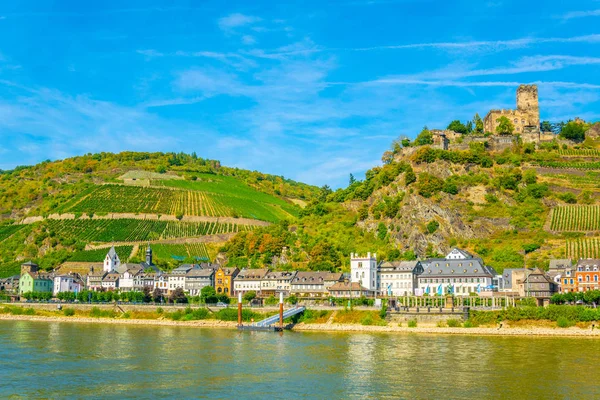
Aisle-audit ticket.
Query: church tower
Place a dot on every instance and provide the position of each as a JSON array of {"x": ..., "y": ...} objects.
[
  {"x": 149, "y": 255},
  {"x": 363, "y": 270},
  {"x": 111, "y": 261}
]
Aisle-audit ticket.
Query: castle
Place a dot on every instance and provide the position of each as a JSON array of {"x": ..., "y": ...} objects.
[{"x": 526, "y": 118}]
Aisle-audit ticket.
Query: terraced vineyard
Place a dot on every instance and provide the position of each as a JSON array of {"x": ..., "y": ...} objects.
[
  {"x": 98, "y": 255},
  {"x": 575, "y": 219},
  {"x": 136, "y": 230},
  {"x": 579, "y": 152},
  {"x": 583, "y": 248},
  {"x": 570, "y": 165},
  {"x": 8, "y": 230},
  {"x": 196, "y": 251},
  {"x": 216, "y": 203},
  {"x": 589, "y": 180}
]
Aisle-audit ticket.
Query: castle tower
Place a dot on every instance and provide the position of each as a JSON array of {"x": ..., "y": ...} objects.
[
  {"x": 363, "y": 270},
  {"x": 111, "y": 261},
  {"x": 149, "y": 255},
  {"x": 529, "y": 107},
  {"x": 29, "y": 266}
]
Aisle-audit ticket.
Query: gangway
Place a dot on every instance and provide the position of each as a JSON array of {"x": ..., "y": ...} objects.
[
  {"x": 268, "y": 324},
  {"x": 275, "y": 318}
]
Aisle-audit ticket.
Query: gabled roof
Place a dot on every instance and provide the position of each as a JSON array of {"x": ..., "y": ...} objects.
[
  {"x": 449, "y": 268},
  {"x": 316, "y": 277},
  {"x": 251, "y": 274},
  {"x": 112, "y": 253},
  {"x": 30, "y": 264},
  {"x": 200, "y": 273},
  {"x": 560, "y": 263},
  {"x": 229, "y": 271},
  {"x": 110, "y": 277},
  {"x": 400, "y": 266},
  {"x": 345, "y": 286},
  {"x": 461, "y": 252},
  {"x": 277, "y": 275}
]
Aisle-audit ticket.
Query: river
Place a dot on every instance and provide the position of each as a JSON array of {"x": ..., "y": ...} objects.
[{"x": 73, "y": 360}]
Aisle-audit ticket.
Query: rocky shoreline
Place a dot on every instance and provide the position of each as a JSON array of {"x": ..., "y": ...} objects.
[{"x": 479, "y": 331}]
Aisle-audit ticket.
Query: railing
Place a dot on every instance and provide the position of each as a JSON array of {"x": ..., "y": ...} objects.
[{"x": 275, "y": 318}]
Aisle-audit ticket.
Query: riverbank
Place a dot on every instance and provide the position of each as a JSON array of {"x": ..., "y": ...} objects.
[{"x": 302, "y": 327}]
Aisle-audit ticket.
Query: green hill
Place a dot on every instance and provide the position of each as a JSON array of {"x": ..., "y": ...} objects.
[{"x": 52, "y": 211}]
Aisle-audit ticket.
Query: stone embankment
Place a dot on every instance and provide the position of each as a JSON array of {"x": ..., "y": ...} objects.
[{"x": 327, "y": 327}]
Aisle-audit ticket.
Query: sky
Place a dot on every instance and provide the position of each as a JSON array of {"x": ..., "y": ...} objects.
[{"x": 311, "y": 90}]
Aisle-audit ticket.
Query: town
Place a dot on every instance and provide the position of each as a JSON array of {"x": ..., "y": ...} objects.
[{"x": 458, "y": 274}]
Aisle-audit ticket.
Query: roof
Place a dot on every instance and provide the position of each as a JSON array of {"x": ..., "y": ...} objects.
[
  {"x": 280, "y": 275},
  {"x": 401, "y": 266},
  {"x": 183, "y": 269},
  {"x": 30, "y": 264},
  {"x": 537, "y": 275},
  {"x": 200, "y": 273},
  {"x": 345, "y": 286},
  {"x": 463, "y": 253},
  {"x": 446, "y": 268},
  {"x": 111, "y": 277},
  {"x": 229, "y": 271},
  {"x": 251, "y": 274},
  {"x": 316, "y": 277},
  {"x": 112, "y": 253},
  {"x": 588, "y": 262},
  {"x": 560, "y": 263}
]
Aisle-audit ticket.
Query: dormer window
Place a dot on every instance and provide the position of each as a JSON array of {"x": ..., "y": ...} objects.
[{"x": 470, "y": 264}]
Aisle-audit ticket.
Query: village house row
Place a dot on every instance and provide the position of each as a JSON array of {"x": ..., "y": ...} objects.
[{"x": 459, "y": 273}]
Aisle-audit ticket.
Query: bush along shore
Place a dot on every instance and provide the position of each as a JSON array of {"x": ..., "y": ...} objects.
[{"x": 555, "y": 320}]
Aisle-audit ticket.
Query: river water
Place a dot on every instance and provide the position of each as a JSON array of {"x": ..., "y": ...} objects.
[{"x": 53, "y": 360}]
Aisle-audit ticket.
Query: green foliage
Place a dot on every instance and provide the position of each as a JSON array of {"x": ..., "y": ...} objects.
[
  {"x": 458, "y": 127},
  {"x": 381, "y": 231},
  {"x": 477, "y": 125},
  {"x": 453, "y": 323},
  {"x": 428, "y": 184},
  {"x": 424, "y": 138},
  {"x": 231, "y": 314},
  {"x": 412, "y": 323},
  {"x": 505, "y": 126},
  {"x": 567, "y": 197},
  {"x": 249, "y": 296},
  {"x": 432, "y": 226},
  {"x": 69, "y": 312},
  {"x": 574, "y": 131},
  {"x": 96, "y": 312}
]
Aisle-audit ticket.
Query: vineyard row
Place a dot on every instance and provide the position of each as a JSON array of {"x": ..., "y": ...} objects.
[{"x": 575, "y": 219}]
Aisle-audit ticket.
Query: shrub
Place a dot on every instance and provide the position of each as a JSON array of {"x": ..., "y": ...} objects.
[
  {"x": 412, "y": 323},
  {"x": 367, "y": 320},
  {"x": 441, "y": 324},
  {"x": 468, "y": 324},
  {"x": 563, "y": 322},
  {"x": 126, "y": 315},
  {"x": 69, "y": 312},
  {"x": 453, "y": 323},
  {"x": 432, "y": 226},
  {"x": 29, "y": 311},
  {"x": 160, "y": 310}
]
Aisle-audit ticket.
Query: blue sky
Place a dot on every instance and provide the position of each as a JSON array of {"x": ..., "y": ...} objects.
[{"x": 312, "y": 90}]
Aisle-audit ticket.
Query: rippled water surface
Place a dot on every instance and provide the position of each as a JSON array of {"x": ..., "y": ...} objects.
[{"x": 50, "y": 360}]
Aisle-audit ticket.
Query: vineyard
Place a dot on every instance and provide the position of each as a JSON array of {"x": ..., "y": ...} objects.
[
  {"x": 570, "y": 165},
  {"x": 575, "y": 219},
  {"x": 168, "y": 252},
  {"x": 8, "y": 230},
  {"x": 134, "y": 199},
  {"x": 98, "y": 255},
  {"x": 579, "y": 152},
  {"x": 589, "y": 180},
  {"x": 583, "y": 248},
  {"x": 136, "y": 230}
]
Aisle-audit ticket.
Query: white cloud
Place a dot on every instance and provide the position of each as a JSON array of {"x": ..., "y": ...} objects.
[
  {"x": 248, "y": 39},
  {"x": 236, "y": 20},
  {"x": 581, "y": 14}
]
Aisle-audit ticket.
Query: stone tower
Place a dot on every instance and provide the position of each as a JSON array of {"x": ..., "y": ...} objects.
[
  {"x": 363, "y": 270},
  {"x": 527, "y": 98},
  {"x": 29, "y": 266}
]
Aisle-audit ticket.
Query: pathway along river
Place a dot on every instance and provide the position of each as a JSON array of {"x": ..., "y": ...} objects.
[{"x": 53, "y": 360}]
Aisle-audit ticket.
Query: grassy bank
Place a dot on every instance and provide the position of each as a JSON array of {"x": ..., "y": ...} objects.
[{"x": 562, "y": 316}]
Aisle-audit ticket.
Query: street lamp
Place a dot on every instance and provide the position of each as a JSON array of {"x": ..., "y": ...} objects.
[{"x": 349, "y": 282}]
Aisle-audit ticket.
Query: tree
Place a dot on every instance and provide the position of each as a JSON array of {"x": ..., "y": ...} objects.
[
  {"x": 546, "y": 126},
  {"x": 381, "y": 231},
  {"x": 352, "y": 179},
  {"x": 505, "y": 127},
  {"x": 157, "y": 295},
  {"x": 208, "y": 294},
  {"x": 477, "y": 125},
  {"x": 249, "y": 296},
  {"x": 410, "y": 177},
  {"x": 574, "y": 131},
  {"x": 458, "y": 127},
  {"x": 432, "y": 226},
  {"x": 425, "y": 137},
  {"x": 178, "y": 296},
  {"x": 161, "y": 169}
]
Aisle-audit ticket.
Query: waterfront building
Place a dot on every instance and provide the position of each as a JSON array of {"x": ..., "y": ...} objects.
[
  {"x": 67, "y": 283},
  {"x": 110, "y": 281},
  {"x": 198, "y": 278},
  {"x": 249, "y": 280},
  {"x": 127, "y": 279},
  {"x": 10, "y": 284},
  {"x": 32, "y": 280},
  {"x": 161, "y": 282},
  {"x": 176, "y": 279},
  {"x": 363, "y": 270},
  {"x": 399, "y": 278},
  {"x": 537, "y": 284},
  {"x": 558, "y": 269},
  {"x": 314, "y": 284},
  {"x": 586, "y": 274},
  {"x": 511, "y": 277},
  {"x": 459, "y": 273},
  {"x": 276, "y": 282},
  {"x": 348, "y": 290},
  {"x": 224, "y": 278}
]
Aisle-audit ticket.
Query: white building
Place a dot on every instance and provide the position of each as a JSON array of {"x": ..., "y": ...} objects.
[
  {"x": 364, "y": 271},
  {"x": 66, "y": 283},
  {"x": 460, "y": 275},
  {"x": 399, "y": 278},
  {"x": 111, "y": 261},
  {"x": 277, "y": 281},
  {"x": 249, "y": 280}
]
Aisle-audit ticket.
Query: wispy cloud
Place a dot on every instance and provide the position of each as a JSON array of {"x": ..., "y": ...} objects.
[
  {"x": 248, "y": 39},
  {"x": 236, "y": 20},
  {"x": 581, "y": 14}
]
